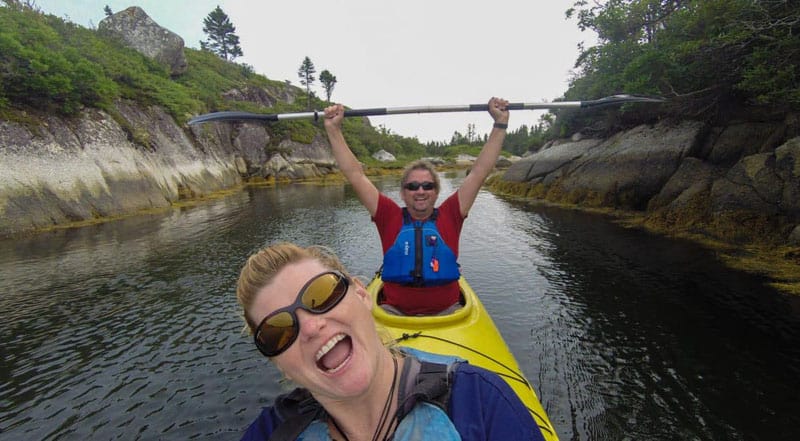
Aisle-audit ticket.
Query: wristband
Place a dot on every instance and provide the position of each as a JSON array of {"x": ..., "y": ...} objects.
[{"x": 498, "y": 125}]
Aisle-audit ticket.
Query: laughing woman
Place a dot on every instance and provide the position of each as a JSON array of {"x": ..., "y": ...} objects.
[{"x": 314, "y": 322}]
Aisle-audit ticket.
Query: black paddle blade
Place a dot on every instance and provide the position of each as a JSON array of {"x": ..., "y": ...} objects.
[
  {"x": 232, "y": 116},
  {"x": 621, "y": 99}
]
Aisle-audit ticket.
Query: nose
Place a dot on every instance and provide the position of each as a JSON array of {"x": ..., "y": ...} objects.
[{"x": 310, "y": 324}]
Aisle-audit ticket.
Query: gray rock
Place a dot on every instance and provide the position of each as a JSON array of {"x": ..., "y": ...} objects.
[
  {"x": 137, "y": 30},
  {"x": 89, "y": 167},
  {"x": 317, "y": 153},
  {"x": 503, "y": 162},
  {"x": 787, "y": 163},
  {"x": 463, "y": 160},
  {"x": 693, "y": 177},
  {"x": 794, "y": 236},
  {"x": 435, "y": 160},
  {"x": 548, "y": 161},
  {"x": 730, "y": 144},
  {"x": 250, "y": 141},
  {"x": 629, "y": 168},
  {"x": 384, "y": 156}
]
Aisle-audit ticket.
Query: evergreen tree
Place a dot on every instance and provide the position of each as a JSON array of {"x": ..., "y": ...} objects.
[
  {"x": 471, "y": 136},
  {"x": 306, "y": 74},
  {"x": 328, "y": 81},
  {"x": 108, "y": 12},
  {"x": 222, "y": 38}
]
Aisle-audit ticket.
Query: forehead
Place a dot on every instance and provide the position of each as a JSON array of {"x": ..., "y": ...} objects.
[
  {"x": 284, "y": 287},
  {"x": 420, "y": 175}
]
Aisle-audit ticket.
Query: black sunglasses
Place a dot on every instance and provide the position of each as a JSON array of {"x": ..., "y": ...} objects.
[
  {"x": 414, "y": 185},
  {"x": 319, "y": 295}
]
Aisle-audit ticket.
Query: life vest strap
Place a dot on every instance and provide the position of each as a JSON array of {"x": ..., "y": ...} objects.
[{"x": 420, "y": 380}]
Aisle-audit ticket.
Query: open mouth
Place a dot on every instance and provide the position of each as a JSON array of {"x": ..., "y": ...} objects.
[{"x": 335, "y": 353}]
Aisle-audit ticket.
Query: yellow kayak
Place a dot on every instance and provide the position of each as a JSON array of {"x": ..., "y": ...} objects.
[{"x": 468, "y": 333}]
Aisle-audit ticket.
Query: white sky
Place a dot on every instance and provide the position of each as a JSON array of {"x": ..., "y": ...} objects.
[{"x": 390, "y": 53}]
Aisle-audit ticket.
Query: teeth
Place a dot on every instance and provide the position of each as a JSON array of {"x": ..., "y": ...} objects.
[{"x": 329, "y": 345}]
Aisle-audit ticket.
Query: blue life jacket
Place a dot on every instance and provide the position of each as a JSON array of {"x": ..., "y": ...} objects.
[
  {"x": 419, "y": 256},
  {"x": 423, "y": 397}
]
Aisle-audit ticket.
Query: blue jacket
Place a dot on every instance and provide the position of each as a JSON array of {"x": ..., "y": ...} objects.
[{"x": 482, "y": 407}]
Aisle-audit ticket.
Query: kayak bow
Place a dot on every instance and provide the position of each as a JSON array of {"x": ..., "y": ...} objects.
[{"x": 468, "y": 333}]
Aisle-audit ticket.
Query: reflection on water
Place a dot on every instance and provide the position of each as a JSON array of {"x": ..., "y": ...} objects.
[
  {"x": 643, "y": 338},
  {"x": 130, "y": 329}
]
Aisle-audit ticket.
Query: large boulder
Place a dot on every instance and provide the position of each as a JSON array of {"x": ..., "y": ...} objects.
[
  {"x": 548, "y": 161},
  {"x": 317, "y": 153},
  {"x": 694, "y": 177},
  {"x": 759, "y": 196},
  {"x": 384, "y": 156},
  {"x": 727, "y": 145},
  {"x": 138, "y": 31},
  {"x": 464, "y": 160},
  {"x": 503, "y": 162},
  {"x": 435, "y": 160},
  {"x": 628, "y": 169}
]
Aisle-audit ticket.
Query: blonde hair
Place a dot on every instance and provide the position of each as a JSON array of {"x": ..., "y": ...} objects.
[
  {"x": 261, "y": 268},
  {"x": 421, "y": 164}
]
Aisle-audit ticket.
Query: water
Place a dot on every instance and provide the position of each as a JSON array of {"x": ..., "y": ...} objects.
[{"x": 130, "y": 329}]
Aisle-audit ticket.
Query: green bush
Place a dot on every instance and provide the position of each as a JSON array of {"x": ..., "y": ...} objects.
[{"x": 40, "y": 71}]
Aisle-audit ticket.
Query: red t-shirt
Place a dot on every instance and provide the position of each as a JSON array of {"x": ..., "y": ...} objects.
[{"x": 414, "y": 300}]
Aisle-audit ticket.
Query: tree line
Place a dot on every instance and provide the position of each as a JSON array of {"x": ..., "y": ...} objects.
[{"x": 708, "y": 57}]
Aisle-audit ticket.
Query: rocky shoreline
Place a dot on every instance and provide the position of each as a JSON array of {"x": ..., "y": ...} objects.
[
  {"x": 734, "y": 188},
  {"x": 65, "y": 171}
]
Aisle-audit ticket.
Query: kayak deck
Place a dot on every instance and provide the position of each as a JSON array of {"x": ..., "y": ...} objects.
[{"x": 468, "y": 333}]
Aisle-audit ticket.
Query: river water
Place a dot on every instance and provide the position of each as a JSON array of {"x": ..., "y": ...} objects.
[{"x": 130, "y": 329}]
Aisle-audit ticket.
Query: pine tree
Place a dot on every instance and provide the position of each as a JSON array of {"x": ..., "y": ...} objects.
[
  {"x": 306, "y": 74},
  {"x": 222, "y": 38},
  {"x": 108, "y": 12},
  {"x": 328, "y": 81}
]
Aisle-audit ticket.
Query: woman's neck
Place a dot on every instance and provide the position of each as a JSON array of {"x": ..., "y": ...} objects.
[{"x": 359, "y": 418}]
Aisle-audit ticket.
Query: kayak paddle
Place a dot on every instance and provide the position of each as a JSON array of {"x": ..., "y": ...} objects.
[{"x": 316, "y": 114}]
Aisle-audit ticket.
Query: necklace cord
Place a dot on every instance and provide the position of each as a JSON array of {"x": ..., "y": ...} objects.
[
  {"x": 384, "y": 412},
  {"x": 387, "y": 405}
]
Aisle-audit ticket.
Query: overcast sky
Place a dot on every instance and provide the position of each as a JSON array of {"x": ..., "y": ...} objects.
[{"x": 390, "y": 53}]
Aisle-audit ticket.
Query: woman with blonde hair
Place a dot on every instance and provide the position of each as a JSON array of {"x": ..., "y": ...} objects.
[{"x": 314, "y": 321}]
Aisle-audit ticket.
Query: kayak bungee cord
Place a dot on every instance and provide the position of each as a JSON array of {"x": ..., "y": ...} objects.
[
  {"x": 514, "y": 374},
  {"x": 317, "y": 114}
]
